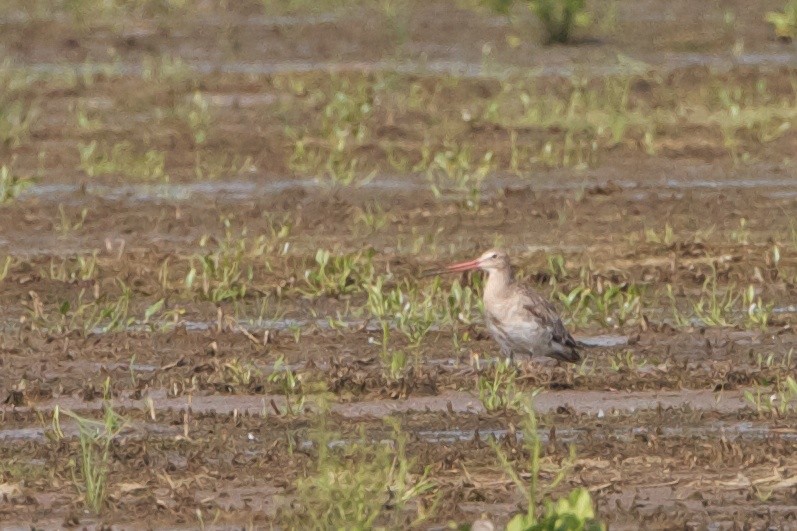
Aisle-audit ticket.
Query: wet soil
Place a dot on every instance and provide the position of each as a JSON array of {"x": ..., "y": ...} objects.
[{"x": 663, "y": 433}]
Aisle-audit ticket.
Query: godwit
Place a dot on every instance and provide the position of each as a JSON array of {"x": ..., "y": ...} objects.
[{"x": 519, "y": 318}]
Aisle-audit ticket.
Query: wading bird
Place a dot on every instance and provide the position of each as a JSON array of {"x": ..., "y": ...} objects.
[{"x": 519, "y": 319}]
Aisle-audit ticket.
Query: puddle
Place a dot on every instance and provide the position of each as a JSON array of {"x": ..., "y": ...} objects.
[
  {"x": 23, "y": 434},
  {"x": 715, "y": 430},
  {"x": 661, "y": 62},
  {"x": 239, "y": 100},
  {"x": 603, "y": 341},
  {"x": 229, "y": 190},
  {"x": 261, "y": 326},
  {"x": 598, "y": 403},
  {"x": 280, "y": 21},
  {"x": 241, "y": 190}
]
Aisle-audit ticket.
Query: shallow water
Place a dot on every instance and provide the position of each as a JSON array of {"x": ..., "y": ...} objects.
[
  {"x": 663, "y": 62},
  {"x": 598, "y": 403},
  {"x": 241, "y": 190}
]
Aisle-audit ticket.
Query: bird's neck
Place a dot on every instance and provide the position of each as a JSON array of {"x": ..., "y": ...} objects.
[{"x": 498, "y": 282}]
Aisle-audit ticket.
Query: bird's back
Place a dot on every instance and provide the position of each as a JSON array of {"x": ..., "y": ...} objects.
[{"x": 530, "y": 324}]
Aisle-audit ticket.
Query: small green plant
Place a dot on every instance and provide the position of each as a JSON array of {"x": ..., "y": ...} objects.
[
  {"x": 326, "y": 149},
  {"x": 373, "y": 217},
  {"x": 165, "y": 69},
  {"x": 123, "y": 159},
  {"x": 758, "y": 312},
  {"x": 81, "y": 268},
  {"x": 456, "y": 170},
  {"x": 667, "y": 236},
  {"x": 497, "y": 388},
  {"x": 626, "y": 362},
  {"x": 95, "y": 437},
  {"x": 778, "y": 402},
  {"x": 609, "y": 304},
  {"x": 11, "y": 184},
  {"x": 66, "y": 224},
  {"x": 210, "y": 166},
  {"x": 195, "y": 114},
  {"x": 784, "y": 22},
  {"x": 715, "y": 307},
  {"x": 240, "y": 373},
  {"x": 742, "y": 234},
  {"x": 362, "y": 485},
  {"x": 290, "y": 385},
  {"x": 573, "y": 513},
  {"x": 338, "y": 275},
  {"x": 5, "y": 267},
  {"x": 560, "y": 17},
  {"x": 16, "y": 118},
  {"x": 226, "y": 271},
  {"x": 381, "y": 305}
]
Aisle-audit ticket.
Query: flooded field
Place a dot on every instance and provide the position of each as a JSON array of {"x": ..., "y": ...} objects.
[{"x": 216, "y": 216}]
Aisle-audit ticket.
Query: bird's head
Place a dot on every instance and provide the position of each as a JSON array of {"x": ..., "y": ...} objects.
[{"x": 492, "y": 260}]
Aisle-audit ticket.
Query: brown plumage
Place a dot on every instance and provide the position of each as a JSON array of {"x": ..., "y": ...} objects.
[{"x": 518, "y": 318}]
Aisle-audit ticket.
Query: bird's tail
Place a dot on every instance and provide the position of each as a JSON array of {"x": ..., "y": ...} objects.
[{"x": 565, "y": 353}]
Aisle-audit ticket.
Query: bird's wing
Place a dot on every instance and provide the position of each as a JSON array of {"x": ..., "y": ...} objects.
[{"x": 545, "y": 312}]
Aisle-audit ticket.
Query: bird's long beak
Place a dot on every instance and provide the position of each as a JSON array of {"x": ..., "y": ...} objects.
[
  {"x": 462, "y": 266},
  {"x": 453, "y": 268}
]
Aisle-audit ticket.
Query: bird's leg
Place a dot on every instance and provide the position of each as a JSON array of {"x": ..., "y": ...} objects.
[{"x": 509, "y": 355}]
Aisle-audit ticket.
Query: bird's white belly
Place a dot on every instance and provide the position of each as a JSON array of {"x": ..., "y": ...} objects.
[
  {"x": 529, "y": 337},
  {"x": 520, "y": 335}
]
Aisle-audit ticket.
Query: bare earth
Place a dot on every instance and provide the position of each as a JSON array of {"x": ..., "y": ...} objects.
[{"x": 673, "y": 188}]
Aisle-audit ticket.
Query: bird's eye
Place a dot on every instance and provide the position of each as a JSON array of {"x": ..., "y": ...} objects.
[{"x": 494, "y": 255}]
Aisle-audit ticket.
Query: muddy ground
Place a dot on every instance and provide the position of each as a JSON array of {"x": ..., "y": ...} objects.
[{"x": 170, "y": 271}]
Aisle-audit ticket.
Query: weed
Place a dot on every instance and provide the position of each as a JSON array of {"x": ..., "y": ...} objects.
[
  {"x": 560, "y": 17},
  {"x": 165, "y": 69},
  {"x": 359, "y": 486},
  {"x": 338, "y": 275},
  {"x": 463, "y": 303},
  {"x": 66, "y": 224},
  {"x": 576, "y": 511},
  {"x": 121, "y": 158},
  {"x": 742, "y": 234},
  {"x": 381, "y": 305},
  {"x": 290, "y": 385},
  {"x": 457, "y": 170},
  {"x": 11, "y": 184},
  {"x": 332, "y": 164},
  {"x": 325, "y": 148},
  {"x": 626, "y": 362},
  {"x": 238, "y": 373},
  {"x": 779, "y": 401},
  {"x": 758, "y": 312},
  {"x": 498, "y": 391},
  {"x": 714, "y": 309},
  {"x": 5, "y": 267},
  {"x": 372, "y": 216},
  {"x": 16, "y": 120},
  {"x": 95, "y": 439},
  {"x": 87, "y": 317},
  {"x": 81, "y": 268},
  {"x": 195, "y": 114},
  {"x": 609, "y": 304},
  {"x": 784, "y": 22},
  {"x": 666, "y": 237},
  {"x": 86, "y": 122},
  {"x": 208, "y": 166},
  {"x": 226, "y": 272}
]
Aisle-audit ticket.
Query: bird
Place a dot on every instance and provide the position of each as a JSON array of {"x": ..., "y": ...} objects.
[{"x": 518, "y": 318}]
